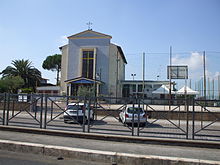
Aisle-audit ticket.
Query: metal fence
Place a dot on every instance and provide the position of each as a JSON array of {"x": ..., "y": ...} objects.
[{"x": 176, "y": 118}]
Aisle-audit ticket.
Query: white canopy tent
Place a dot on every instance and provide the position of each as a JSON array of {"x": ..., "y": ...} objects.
[
  {"x": 163, "y": 90},
  {"x": 189, "y": 91}
]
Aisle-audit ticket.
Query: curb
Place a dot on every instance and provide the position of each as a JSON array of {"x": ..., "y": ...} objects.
[
  {"x": 118, "y": 138},
  {"x": 98, "y": 156}
]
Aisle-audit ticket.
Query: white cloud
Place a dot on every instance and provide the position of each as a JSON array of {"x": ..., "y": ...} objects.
[
  {"x": 63, "y": 40},
  {"x": 194, "y": 61}
]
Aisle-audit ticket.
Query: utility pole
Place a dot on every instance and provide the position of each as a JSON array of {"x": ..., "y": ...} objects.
[
  {"x": 170, "y": 76},
  {"x": 213, "y": 89},
  {"x": 190, "y": 83},
  {"x": 209, "y": 89},
  {"x": 219, "y": 87},
  {"x": 143, "y": 74},
  {"x": 204, "y": 72}
]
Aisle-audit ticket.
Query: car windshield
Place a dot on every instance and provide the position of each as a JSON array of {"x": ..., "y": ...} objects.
[
  {"x": 134, "y": 110},
  {"x": 75, "y": 107}
]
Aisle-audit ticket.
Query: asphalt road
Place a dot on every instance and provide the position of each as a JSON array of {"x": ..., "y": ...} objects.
[
  {"x": 14, "y": 158},
  {"x": 122, "y": 147}
]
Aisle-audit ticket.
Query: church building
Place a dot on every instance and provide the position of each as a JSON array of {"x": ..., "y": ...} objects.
[{"x": 91, "y": 60}]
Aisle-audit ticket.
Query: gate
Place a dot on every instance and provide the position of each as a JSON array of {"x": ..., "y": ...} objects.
[
  {"x": 165, "y": 119},
  {"x": 56, "y": 107},
  {"x": 106, "y": 110},
  {"x": 206, "y": 120},
  {"x": 24, "y": 110}
]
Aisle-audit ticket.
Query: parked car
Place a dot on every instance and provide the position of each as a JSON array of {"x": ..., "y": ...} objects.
[
  {"x": 74, "y": 113},
  {"x": 126, "y": 115}
]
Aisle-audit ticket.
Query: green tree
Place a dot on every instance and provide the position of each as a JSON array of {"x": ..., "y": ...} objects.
[
  {"x": 86, "y": 91},
  {"x": 11, "y": 84},
  {"x": 23, "y": 68},
  {"x": 53, "y": 63}
]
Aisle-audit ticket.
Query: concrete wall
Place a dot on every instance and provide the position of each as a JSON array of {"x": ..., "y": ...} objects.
[
  {"x": 116, "y": 72},
  {"x": 64, "y": 64}
]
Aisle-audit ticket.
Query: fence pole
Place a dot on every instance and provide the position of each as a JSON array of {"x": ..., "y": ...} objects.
[
  {"x": 45, "y": 113},
  {"x": 67, "y": 100},
  {"x": 193, "y": 120},
  {"x": 84, "y": 110},
  {"x": 51, "y": 111},
  {"x": 5, "y": 100},
  {"x": 138, "y": 117},
  {"x": 187, "y": 118},
  {"x": 89, "y": 112},
  {"x": 201, "y": 117},
  {"x": 133, "y": 118},
  {"x": 41, "y": 110},
  {"x": 179, "y": 116},
  {"x": 8, "y": 108},
  {"x": 95, "y": 110},
  {"x": 34, "y": 105},
  {"x": 13, "y": 107}
]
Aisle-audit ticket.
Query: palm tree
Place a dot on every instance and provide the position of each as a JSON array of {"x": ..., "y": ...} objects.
[
  {"x": 53, "y": 63},
  {"x": 25, "y": 70}
]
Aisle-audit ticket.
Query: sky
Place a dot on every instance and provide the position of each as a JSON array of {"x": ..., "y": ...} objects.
[{"x": 35, "y": 29}]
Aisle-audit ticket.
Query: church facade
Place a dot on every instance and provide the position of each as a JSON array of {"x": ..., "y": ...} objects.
[{"x": 91, "y": 60}]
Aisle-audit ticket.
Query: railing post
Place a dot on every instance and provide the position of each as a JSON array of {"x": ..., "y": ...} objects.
[
  {"x": 13, "y": 107},
  {"x": 5, "y": 101},
  {"x": 89, "y": 113},
  {"x": 139, "y": 106},
  {"x": 95, "y": 108},
  {"x": 51, "y": 110},
  {"x": 133, "y": 118},
  {"x": 84, "y": 117},
  {"x": 41, "y": 110},
  {"x": 67, "y": 100},
  {"x": 193, "y": 120},
  {"x": 34, "y": 104},
  {"x": 8, "y": 108},
  {"x": 187, "y": 118},
  {"x": 45, "y": 112}
]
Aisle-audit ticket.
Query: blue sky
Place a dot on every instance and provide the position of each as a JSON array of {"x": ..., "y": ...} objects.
[{"x": 34, "y": 29}]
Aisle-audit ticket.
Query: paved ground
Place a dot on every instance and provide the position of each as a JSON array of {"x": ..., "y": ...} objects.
[
  {"x": 144, "y": 149},
  {"x": 110, "y": 125},
  {"x": 12, "y": 158}
]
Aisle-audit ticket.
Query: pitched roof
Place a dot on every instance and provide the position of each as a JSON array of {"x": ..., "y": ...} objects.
[
  {"x": 82, "y": 80},
  {"x": 89, "y": 34},
  {"x": 189, "y": 91},
  {"x": 163, "y": 90},
  {"x": 122, "y": 54}
]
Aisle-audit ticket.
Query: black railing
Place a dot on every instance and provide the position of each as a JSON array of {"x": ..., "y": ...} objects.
[{"x": 176, "y": 118}]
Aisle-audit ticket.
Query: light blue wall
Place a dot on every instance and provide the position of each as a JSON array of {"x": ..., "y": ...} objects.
[{"x": 102, "y": 47}]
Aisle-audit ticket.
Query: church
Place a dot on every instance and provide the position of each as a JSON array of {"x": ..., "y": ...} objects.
[{"x": 91, "y": 60}]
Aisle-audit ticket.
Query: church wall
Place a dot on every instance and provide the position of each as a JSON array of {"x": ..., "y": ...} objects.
[
  {"x": 102, "y": 58},
  {"x": 64, "y": 64}
]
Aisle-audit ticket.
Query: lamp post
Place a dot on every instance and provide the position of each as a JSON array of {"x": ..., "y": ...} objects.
[{"x": 133, "y": 74}]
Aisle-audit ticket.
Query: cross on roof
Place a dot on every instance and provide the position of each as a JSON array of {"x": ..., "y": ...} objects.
[{"x": 89, "y": 25}]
